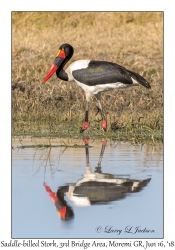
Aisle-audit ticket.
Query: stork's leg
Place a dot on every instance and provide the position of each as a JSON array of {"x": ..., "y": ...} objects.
[
  {"x": 86, "y": 143},
  {"x": 85, "y": 124},
  {"x": 104, "y": 122},
  {"x": 98, "y": 168}
]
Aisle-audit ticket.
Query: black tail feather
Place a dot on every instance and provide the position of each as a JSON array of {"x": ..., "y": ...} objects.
[{"x": 140, "y": 79}]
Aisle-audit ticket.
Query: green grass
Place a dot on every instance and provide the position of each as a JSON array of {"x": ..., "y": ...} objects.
[{"x": 132, "y": 39}]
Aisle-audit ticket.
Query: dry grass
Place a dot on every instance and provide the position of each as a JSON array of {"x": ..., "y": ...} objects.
[{"x": 132, "y": 39}]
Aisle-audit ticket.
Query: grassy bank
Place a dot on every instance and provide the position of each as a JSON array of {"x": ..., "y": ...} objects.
[{"x": 132, "y": 39}]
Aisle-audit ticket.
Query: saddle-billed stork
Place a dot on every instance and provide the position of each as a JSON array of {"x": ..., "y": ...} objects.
[{"x": 93, "y": 77}]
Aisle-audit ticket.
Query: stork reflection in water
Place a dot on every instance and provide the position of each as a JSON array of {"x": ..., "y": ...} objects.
[{"x": 94, "y": 188}]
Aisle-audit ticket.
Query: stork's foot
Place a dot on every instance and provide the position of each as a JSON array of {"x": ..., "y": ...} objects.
[
  {"x": 104, "y": 125},
  {"x": 85, "y": 126}
]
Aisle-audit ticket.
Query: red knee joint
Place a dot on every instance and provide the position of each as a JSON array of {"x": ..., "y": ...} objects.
[
  {"x": 104, "y": 124},
  {"x": 85, "y": 126}
]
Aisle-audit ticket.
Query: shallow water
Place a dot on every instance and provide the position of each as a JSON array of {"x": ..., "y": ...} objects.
[{"x": 108, "y": 190}]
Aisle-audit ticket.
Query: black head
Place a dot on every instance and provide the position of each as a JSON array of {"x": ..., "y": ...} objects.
[
  {"x": 65, "y": 52},
  {"x": 68, "y": 49}
]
